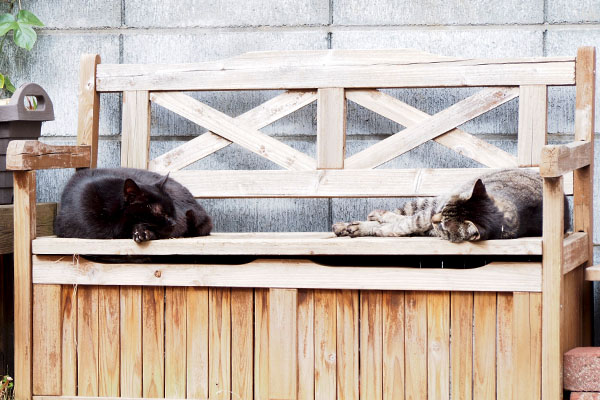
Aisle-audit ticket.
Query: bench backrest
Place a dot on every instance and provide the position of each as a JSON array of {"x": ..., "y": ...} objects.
[{"x": 329, "y": 77}]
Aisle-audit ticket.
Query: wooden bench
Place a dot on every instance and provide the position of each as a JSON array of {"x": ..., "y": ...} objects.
[{"x": 284, "y": 326}]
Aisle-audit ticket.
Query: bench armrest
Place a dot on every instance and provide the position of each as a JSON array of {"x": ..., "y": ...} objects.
[
  {"x": 557, "y": 160},
  {"x": 26, "y": 155}
]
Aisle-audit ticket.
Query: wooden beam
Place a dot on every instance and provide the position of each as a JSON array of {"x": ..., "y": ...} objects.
[
  {"x": 292, "y": 274},
  {"x": 227, "y": 127},
  {"x": 434, "y": 126},
  {"x": 592, "y": 273},
  {"x": 575, "y": 251},
  {"x": 533, "y": 124},
  {"x": 557, "y": 160},
  {"x": 331, "y": 128},
  {"x": 463, "y": 143},
  {"x": 25, "y": 155},
  {"x": 135, "y": 144},
  {"x": 208, "y": 143},
  {"x": 88, "y": 116},
  {"x": 45, "y": 214}
]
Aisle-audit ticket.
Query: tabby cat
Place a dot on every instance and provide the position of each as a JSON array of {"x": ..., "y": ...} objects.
[{"x": 504, "y": 204}]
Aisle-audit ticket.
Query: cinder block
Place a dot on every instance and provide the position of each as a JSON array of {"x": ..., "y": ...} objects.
[
  {"x": 82, "y": 14},
  {"x": 573, "y": 11},
  {"x": 206, "y": 13},
  {"x": 581, "y": 369},
  {"x": 54, "y": 64},
  {"x": 452, "y": 12},
  {"x": 585, "y": 396}
]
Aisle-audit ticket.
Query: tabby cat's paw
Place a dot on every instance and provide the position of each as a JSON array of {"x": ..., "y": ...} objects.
[
  {"x": 340, "y": 229},
  {"x": 377, "y": 215},
  {"x": 143, "y": 235}
]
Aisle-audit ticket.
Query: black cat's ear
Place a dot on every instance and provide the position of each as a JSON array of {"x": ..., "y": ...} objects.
[
  {"x": 162, "y": 182},
  {"x": 131, "y": 191},
  {"x": 478, "y": 190}
]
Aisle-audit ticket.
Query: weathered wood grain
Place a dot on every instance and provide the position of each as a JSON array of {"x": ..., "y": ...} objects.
[{"x": 25, "y": 155}]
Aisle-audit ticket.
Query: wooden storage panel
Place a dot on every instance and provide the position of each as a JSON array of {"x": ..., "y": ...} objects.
[{"x": 222, "y": 343}]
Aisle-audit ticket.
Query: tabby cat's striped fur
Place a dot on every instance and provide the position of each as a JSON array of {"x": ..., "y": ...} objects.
[{"x": 500, "y": 205}]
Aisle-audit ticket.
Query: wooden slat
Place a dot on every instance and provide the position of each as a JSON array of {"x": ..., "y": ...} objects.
[
  {"x": 347, "y": 344},
  {"x": 331, "y": 128},
  {"x": 153, "y": 345},
  {"x": 463, "y": 143},
  {"x": 393, "y": 345},
  {"x": 325, "y": 344},
  {"x": 294, "y": 243},
  {"x": 505, "y": 348},
  {"x": 135, "y": 142},
  {"x": 219, "y": 343},
  {"x": 415, "y": 345},
  {"x": 88, "y": 115},
  {"x": 572, "y": 310},
  {"x": 533, "y": 124},
  {"x": 197, "y": 343},
  {"x": 484, "y": 346},
  {"x": 535, "y": 348},
  {"x": 24, "y": 155},
  {"x": 282, "y": 343},
  {"x": 552, "y": 288},
  {"x": 69, "y": 340},
  {"x": 431, "y": 127},
  {"x": 371, "y": 345},
  {"x": 242, "y": 340},
  {"x": 303, "y": 274},
  {"x": 557, "y": 160},
  {"x": 227, "y": 127},
  {"x": 46, "y": 340},
  {"x": 306, "y": 345},
  {"x": 574, "y": 251},
  {"x": 208, "y": 142},
  {"x": 438, "y": 345},
  {"x": 24, "y": 222},
  {"x": 109, "y": 356},
  {"x": 461, "y": 350},
  {"x": 131, "y": 341},
  {"x": 592, "y": 273},
  {"x": 583, "y": 215},
  {"x": 175, "y": 337},
  {"x": 521, "y": 370},
  {"x": 261, "y": 343},
  {"x": 328, "y": 69},
  {"x": 45, "y": 213},
  {"x": 87, "y": 341}
]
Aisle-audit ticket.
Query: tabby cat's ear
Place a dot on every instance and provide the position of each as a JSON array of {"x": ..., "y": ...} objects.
[
  {"x": 162, "y": 182},
  {"x": 478, "y": 190},
  {"x": 131, "y": 191}
]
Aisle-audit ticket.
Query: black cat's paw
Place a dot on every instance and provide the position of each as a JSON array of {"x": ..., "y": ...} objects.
[{"x": 141, "y": 234}]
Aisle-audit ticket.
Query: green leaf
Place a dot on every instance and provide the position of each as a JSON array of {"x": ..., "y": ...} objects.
[
  {"x": 6, "y": 17},
  {"x": 9, "y": 85},
  {"x": 7, "y": 26},
  {"x": 25, "y": 36},
  {"x": 1, "y": 81},
  {"x": 27, "y": 17}
]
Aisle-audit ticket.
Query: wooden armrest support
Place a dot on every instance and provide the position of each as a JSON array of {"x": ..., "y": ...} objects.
[
  {"x": 557, "y": 160},
  {"x": 593, "y": 273},
  {"x": 24, "y": 155}
]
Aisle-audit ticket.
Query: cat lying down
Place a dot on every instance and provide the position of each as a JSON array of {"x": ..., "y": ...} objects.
[
  {"x": 125, "y": 203},
  {"x": 505, "y": 204}
]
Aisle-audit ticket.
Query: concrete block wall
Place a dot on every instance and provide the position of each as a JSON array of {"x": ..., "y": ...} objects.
[{"x": 131, "y": 31}]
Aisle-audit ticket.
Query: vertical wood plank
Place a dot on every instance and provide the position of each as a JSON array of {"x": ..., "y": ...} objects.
[
  {"x": 438, "y": 345},
  {"x": 46, "y": 340},
  {"x": 393, "y": 345},
  {"x": 219, "y": 343},
  {"x": 306, "y": 345},
  {"x": 552, "y": 288},
  {"x": 325, "y": 344},
  {"x": 261, "y": 344},
  {"x": 415, "y": 348},
  {"x": 522, "y": 335},
  {"x": 572, "y": 309},
  {"x": 461, "y": 349},
  {"x": 135, "y": 142},
  {"x": 131, "y": 341},
  {"x": 69, "y": 340},
  {"x": 347, "y": 344},
  {"x": 371, "y": 345},
  {"x": 535, "y": 348},
  {"x": 87, "y": 341},
  {"x": 175, "y": 337},
  {"x": 153, "y": 342},
  {"x": 24, "y": 227},
  {"x": 282, "y": 343},
  {"x": 484, "y": 349},
  {"x": 242, "y": 341},
  {"x": 583, "y": 178},
  {"x": 533, "y": 124},
  {"x": 331, "y": 128},
  {"x": 506, "y": 358},
  {"x": 89, "y": 105},
  {"x": 108, "y": 341},
  {"x": 197, "y": 343}
]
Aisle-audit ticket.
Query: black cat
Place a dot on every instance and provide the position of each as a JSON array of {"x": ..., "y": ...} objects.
[{"x": 128, "y": 203}]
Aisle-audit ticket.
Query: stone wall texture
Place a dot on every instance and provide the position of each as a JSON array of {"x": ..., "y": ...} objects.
[{"x": 159, "y": 31}]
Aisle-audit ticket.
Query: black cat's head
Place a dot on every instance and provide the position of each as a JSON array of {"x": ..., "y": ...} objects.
[
  {"x": 151, "y": 205},
  {"x": 467, "y": 216}
]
